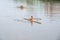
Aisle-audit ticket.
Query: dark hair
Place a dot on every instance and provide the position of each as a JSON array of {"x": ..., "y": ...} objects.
[{"x": 31, "y": 16}]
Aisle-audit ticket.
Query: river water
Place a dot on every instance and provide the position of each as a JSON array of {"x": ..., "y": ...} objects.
[{"x": 11, "y": 29}]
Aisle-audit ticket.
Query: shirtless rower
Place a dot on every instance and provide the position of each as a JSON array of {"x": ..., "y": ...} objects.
[{"x": 30, "y": 19}]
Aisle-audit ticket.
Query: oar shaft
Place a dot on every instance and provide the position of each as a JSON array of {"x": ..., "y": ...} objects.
[
  {"x": 37, "y": 22},
  {"x": 33, "y": 21}
]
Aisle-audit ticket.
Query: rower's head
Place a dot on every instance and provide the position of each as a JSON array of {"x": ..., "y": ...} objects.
[{"x": 31, "y": 16}]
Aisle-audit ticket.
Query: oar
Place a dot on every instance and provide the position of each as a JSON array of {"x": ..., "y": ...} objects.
[
  {"x": 33, "y": 21},
  {"x": 37, "y": 22}
]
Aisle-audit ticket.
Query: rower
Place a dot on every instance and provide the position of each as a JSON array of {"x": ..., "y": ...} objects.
[{"x": 31, "y": 18}]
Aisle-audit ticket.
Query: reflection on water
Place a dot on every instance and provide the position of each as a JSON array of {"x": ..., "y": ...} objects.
[{"x": 10, "y": 29}]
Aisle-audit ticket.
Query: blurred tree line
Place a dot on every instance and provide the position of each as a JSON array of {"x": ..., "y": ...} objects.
[
  {"x": 39, "y": 0},
  {"x": 50, "y": 0},
  {"x": 48, "y": 3}
]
